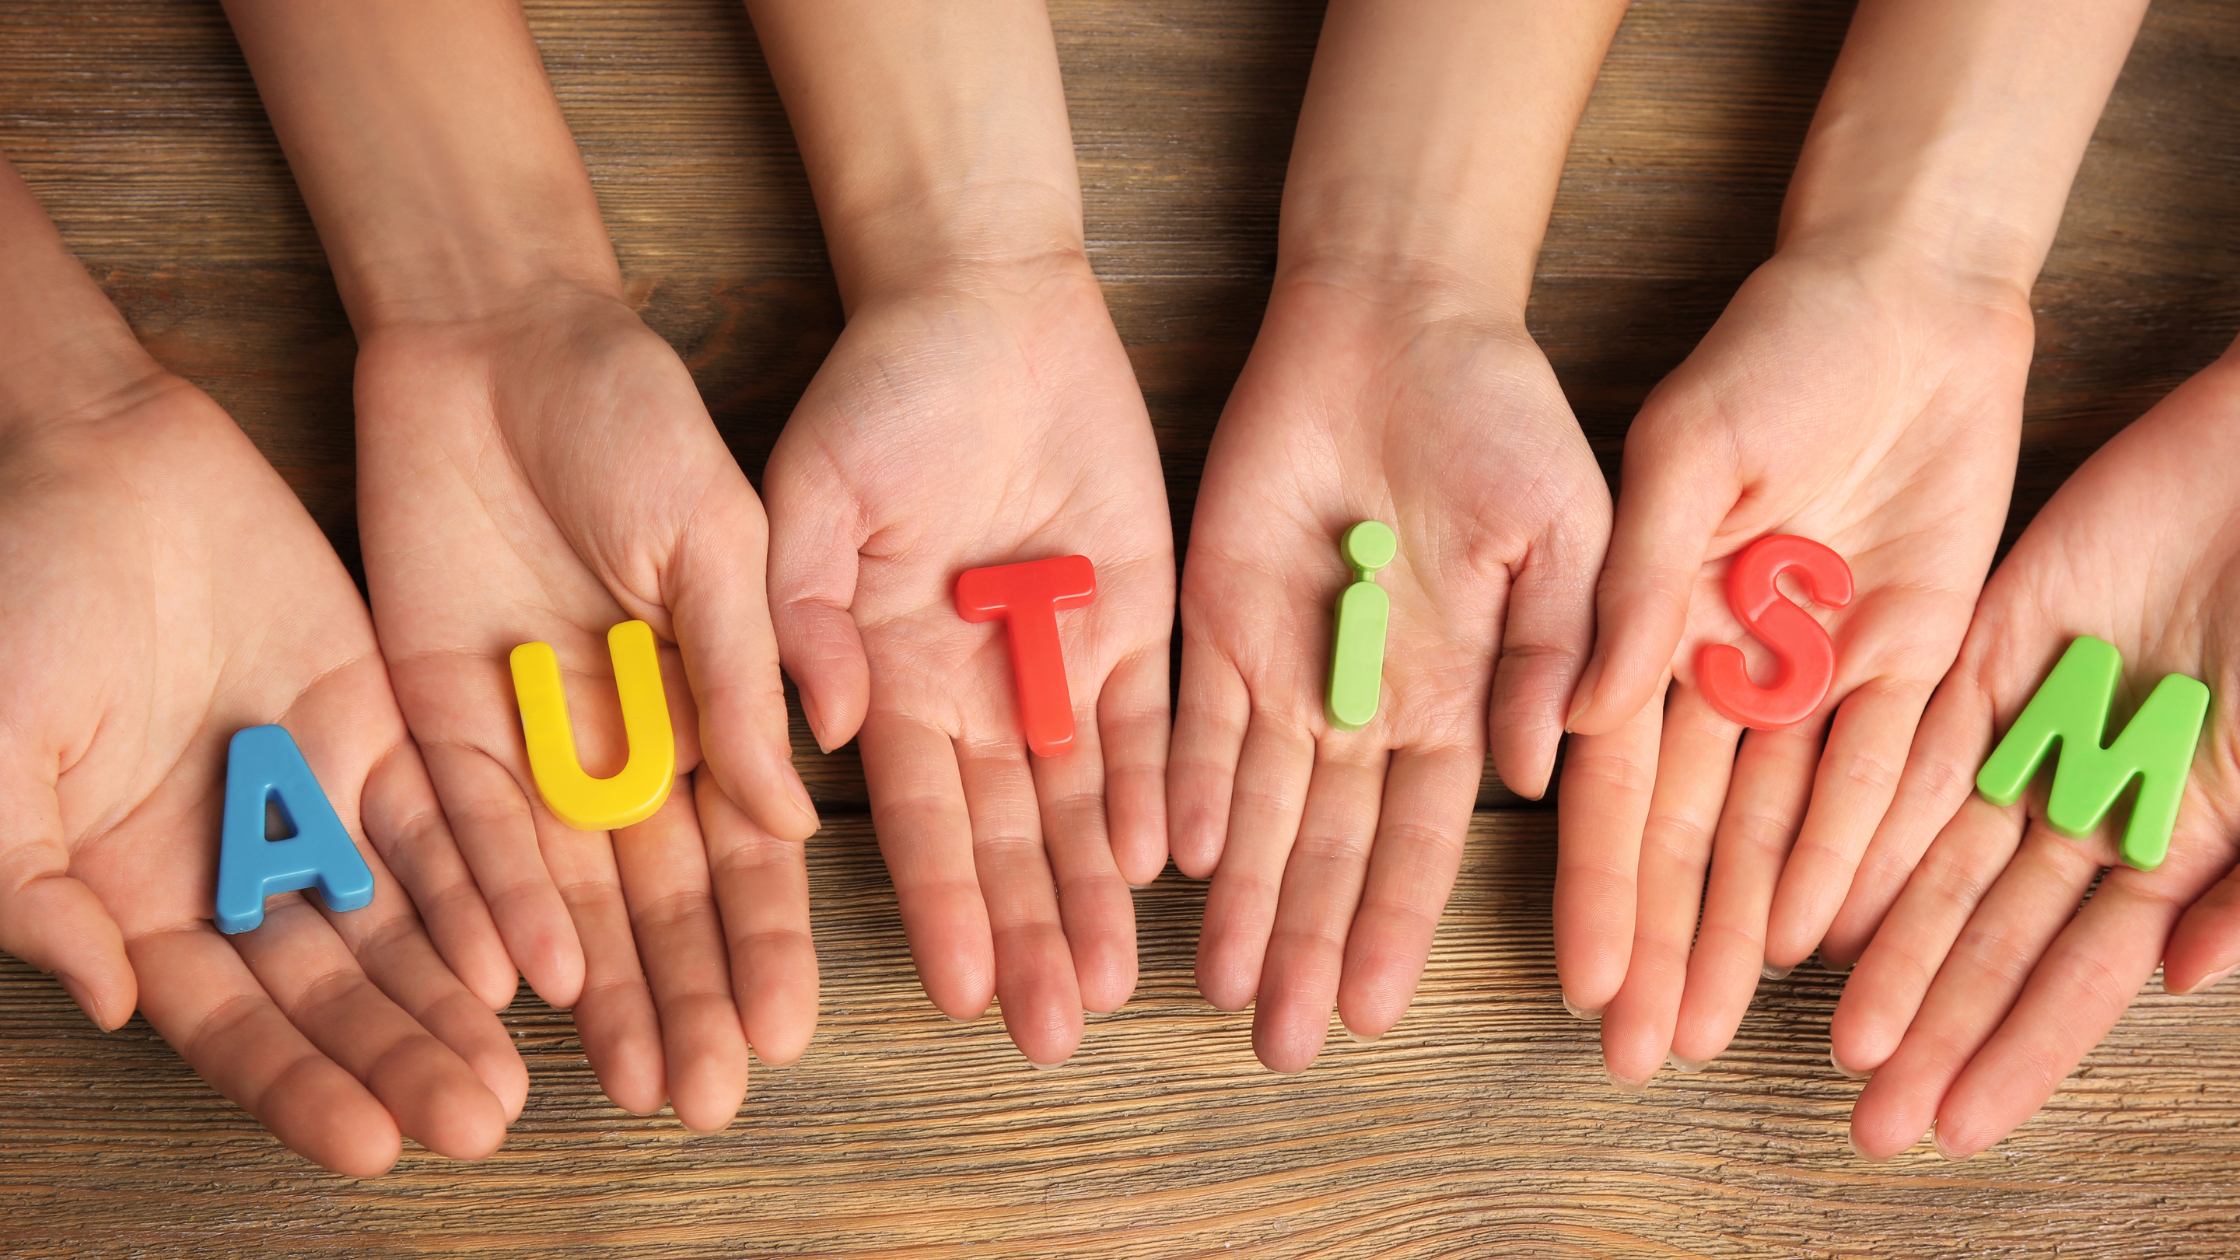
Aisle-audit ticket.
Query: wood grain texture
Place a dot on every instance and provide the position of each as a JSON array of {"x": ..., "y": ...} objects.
[{"x": 1482, "y": 1125}]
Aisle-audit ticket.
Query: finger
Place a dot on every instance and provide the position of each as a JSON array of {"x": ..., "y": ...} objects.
[
  {"x": 2075, "y": 995},
  {"x": 1940, "y": 775},
  {"x": 1669, "y": 504},
  {"x": 434, "y": 1095},
  {"x": 1886, "y": 989},
  {"x": 1765, "y": 804},
  {"x": 918, "y": 811},
  {"x": 386, "y": 941},
  {"x": 200, "y": 996},
  {"x": 1421, "y": 826},
  {"x": 813, "y": 567},
  {"x": 1035, "y": 982},
  {"x": 720, "y": 607},
  {"x": 762, "y": 890},
  {"x": 1546, "y": 633},
  {"x": 1320, "y": 890},
  {"x": 1133, "y": 722},
  {"x": 496, "y": 831},
  {"x": 1094, "y": 905},
  {"x": 1273, "y": 771},
  {"x": 47, "y": 917},
  {"x": 2205, "y": 947},
  {"x": 679, "y": 941},
  {"x": 1602, "y": 807},
  {"x": 615, "y": 1017},
  {"x": 2032, "y": 901},
  {"x": 1858, "y": 776},
  {"x": 405, "y": 825},
  {"x": 1211, "y": 714},
  {"x": 1694, "y": 763}
]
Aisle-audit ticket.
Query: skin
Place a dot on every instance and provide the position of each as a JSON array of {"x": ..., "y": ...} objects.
[
  {"x": 1986, "y": 983},
  {"x": 536, "y": 465},
  {"x": 166, "y": 589},
  {"x": 1863, "y": 389},
  {"x": 1392, "y": 379},
  {"x": 978, "y": 410}
]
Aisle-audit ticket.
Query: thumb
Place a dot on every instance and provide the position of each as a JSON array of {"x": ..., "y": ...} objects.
[
  {"x": 1670, "y": 500},
  {"x": 2205, "y": 948},
  {"x": 48, "y": 918},
  {"x": 722, "y": 618},
  {"x": 813, "y": 564},
  {"x": 1546, "y": 630}
]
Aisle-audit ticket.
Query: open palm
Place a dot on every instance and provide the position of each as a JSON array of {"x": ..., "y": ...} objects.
[
  {"x": 164, "y": 589},
  {"x": 1985, "y": 983},
  {"x": 1332, "y": 852},
  {"x": 539, "y": 476},
  {"x": 1873, "y": 416},
  {"x": 959, "y": 428}
]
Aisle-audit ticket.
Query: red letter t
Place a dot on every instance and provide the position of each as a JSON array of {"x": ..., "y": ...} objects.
[{"x": 1028, "y": 597}]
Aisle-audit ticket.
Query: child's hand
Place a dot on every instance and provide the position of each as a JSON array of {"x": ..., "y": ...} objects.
[
  {"x": 163, "y": 590},
  {"x": 1332, "y": 852},
  {"x": 957, "y": 426},
  {"x": 1875, "y": 413},
  {"x": 1985, "y": 983},
  {"x": 538, "y": 475}
]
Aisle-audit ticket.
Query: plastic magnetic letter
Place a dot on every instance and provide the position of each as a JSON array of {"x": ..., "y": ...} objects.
[
  {"x": 265, "y": 768},
  {"x": 1357, "y": 640},
  {"x": 1027, "y": 597},
  {"x": 1805, "y": 657},
  {"x": 639, "y": 788},
  {"x": 2072, "y": 707}
]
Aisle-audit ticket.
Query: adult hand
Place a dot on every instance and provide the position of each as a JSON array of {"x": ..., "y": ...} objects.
[
  {"x": 981, "y": 421},
  {"x": 165, "y": 589},
  {"x": 1332, "y": 851},
  {"x": 539, "y": 474},
  {"x": 1867, "y": 409},
  {"x": 1985, "y": 983}
]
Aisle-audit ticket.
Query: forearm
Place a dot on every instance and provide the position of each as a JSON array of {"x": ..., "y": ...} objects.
[
  {"x": 64, "y": 349},
  {"x": 1432, "y": 139},
  {"x": 934, "y": 133},
  {"x": 1950, "y": 131},
  {"x": 430, "y": 150}
]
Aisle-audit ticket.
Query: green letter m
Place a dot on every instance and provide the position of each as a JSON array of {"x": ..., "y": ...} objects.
[{"x": 2072, "y": 707}]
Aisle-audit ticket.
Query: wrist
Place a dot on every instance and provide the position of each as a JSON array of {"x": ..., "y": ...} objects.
[
  {"x": 1410, "y": 281},
  {"x": 86, "y": 371},
  {"x": 1952, "y": 266},
  {"x": 465, "y": 271},
  {"x": 923, "y": 235}
]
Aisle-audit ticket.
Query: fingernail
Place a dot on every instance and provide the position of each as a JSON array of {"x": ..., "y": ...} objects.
[
  {"x": 1043, "y": 1067},
  {"x": 81, "y": 995},
  {"x": 1690, "y": 1066},
  {"x": 1847, "y": 1072},
  {"x": 800, "y": 794},
  {"x": 816, "y": 727},
  {"x": 1578, "y": 1011},
  {"x": 1582, "y": 696},
  {"x": 1358, "y": 1038},
  {"x": 1771, "y": 972},
  {"x": 1832, "y": 965},
  {"x": 2207, "y": 983},
  {"x": 1851, "y": 1140},
  {"x": 1936, "y": 1139},
  {"x": 1631, "y": 1087}
]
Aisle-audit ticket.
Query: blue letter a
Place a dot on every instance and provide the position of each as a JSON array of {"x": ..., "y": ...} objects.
[{"x": 263, "y": 766}]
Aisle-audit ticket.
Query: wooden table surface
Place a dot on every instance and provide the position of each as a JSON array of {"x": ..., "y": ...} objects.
[{"x": 1482, "y": 1125}]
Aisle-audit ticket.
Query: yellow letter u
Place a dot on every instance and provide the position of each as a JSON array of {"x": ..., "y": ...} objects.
[{"x": 576, "y": 798}]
